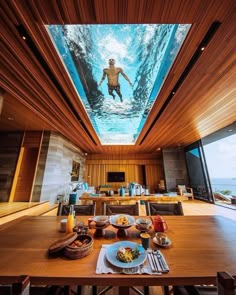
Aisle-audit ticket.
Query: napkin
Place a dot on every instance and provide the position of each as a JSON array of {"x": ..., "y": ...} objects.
[{"x": 104, "y": 266}]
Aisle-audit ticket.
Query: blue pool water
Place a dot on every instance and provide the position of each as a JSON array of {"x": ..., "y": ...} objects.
[{"x": 144, "y": 52}]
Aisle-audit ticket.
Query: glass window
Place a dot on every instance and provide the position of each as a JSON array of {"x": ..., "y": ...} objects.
[
  {"x": 118, "y": 71},
  {"x": 221, "y": 162},
  {"x": 197, "y": 172}
]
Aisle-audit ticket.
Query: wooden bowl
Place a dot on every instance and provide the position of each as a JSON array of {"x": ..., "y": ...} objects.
[{"x": 80, "y": 247}]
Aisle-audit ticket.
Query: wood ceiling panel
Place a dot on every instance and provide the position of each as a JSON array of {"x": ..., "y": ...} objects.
[{"x": 38, "y": 84}]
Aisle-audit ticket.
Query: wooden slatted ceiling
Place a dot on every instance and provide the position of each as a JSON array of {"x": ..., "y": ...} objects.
[{"x": 204, "y": 103}]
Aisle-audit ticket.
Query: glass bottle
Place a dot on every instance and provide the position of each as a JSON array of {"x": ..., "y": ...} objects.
[
  {"x": 146, "y": 191},
  {"x": 75, "y": 222},
  {"x": 70, "y": 220},
  {"x": 122, "y": 191}
]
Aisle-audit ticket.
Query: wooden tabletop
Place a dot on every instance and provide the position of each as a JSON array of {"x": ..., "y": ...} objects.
[
  {"x": 201, "y": 246},
  {"x": 99, "y": 200}
]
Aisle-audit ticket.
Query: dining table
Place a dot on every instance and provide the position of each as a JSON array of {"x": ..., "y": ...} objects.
[
  {"x": 200, "y": 247},
  {"x": 100, "y": 199}
]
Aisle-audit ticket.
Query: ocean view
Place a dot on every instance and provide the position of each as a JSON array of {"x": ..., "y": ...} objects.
[{"x": 220, "y": 184}]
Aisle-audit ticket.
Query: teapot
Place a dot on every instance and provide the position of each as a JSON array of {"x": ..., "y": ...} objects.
[{"x": 159, "y": 224}]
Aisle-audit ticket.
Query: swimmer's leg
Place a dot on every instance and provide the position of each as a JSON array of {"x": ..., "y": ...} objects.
[
  {"x": 110, "y": 91},
  {"x": 119, "y": 93}
]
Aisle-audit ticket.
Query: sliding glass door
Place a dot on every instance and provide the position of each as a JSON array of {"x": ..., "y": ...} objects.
[
  {"x": 219, "y": 150},
  {"x": 197, "y": 172},
  {"x": 211, "y": 165}
]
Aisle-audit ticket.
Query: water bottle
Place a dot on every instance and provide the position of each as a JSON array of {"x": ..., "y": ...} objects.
[
  {"x": 122, "y": 191},
  {"x": 131, "y": 191}
]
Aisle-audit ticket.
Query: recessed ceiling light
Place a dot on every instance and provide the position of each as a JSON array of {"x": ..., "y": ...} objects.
[
  {"x": 10, "y": 119},
  {"x": 230, "y": 130}
]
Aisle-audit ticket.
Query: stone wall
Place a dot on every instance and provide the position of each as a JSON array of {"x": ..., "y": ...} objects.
[
  {"x": 56, "y": 179},
  {"x": 174, "y": 168}
]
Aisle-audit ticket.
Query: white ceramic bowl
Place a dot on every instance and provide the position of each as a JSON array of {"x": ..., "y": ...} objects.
[{"x": 100, "y": 220}]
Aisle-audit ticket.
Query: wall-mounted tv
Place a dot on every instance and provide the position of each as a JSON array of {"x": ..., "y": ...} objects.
[{"x": 115, "y": 176}]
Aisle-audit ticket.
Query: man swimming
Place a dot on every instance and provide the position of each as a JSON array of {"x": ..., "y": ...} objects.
[{"x": 112, "y": 74}]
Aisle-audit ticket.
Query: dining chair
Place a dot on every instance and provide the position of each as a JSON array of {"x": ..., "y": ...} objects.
[
  {"x": 153, "y": 208},
  {"x": 80, "y": 210},
  {"x": 225, "y": 285},
  {"x": 185, "y": 191},
  {"x": 131, "y": 209},
  {"x": 19, "y": 287},
  {"x": 22, "y": 286}
]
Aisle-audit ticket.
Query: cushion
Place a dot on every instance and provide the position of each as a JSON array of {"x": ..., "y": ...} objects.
[{"x": 183, "y": 188}]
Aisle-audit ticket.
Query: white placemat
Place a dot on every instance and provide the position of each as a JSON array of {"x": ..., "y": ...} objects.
[{"x": 104, "y": 266}]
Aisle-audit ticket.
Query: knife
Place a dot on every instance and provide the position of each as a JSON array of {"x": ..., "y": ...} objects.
[{"x": 162, "y": 260}]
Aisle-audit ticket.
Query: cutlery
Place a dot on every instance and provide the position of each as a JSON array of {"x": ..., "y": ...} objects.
[
  {"x": 161, "y": 260},
  {"x": 152, "y": 261},
  {"x": 158, "y": 263}
]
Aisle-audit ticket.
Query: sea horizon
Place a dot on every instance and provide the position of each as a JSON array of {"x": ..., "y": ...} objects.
[{"x": 220, "y": 184}]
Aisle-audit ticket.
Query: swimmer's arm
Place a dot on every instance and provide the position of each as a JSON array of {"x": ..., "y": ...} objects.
[
  {"x": 125, "y": 76},
  {"x": 103, "y": 77}
]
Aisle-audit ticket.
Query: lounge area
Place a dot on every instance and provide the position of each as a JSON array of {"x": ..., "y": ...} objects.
[{"x": 117, "y": 140}]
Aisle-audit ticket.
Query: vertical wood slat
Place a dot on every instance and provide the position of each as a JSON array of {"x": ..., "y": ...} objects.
[
  {"x": 25, "y": 173},
  {"x": 96, "y": 173},
  {"x": 36, "y": 165},
  {"x": 17, "y": 171}
]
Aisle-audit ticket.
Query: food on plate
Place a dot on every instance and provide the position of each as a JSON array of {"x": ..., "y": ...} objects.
[
  {"x": 122, "y": 220},
  {"x": 127, "y": 254}
]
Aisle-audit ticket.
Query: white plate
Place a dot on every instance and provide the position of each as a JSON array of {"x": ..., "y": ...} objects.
[
  {"x": 111, "y": 254},
  {"x": 167, "y": 244}
]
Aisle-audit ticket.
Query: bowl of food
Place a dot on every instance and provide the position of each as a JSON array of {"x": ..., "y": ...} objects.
[
  {"x": 143, "y": 224},
  {"x": 80, "y": 247},
  {"x": 122, "y": 221},
  {"x": 100, "y": 220},
  {"x": 126, "y": 254}
]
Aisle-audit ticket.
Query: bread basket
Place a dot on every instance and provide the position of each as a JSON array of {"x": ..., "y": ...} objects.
[{"x": 73, "y": 251}]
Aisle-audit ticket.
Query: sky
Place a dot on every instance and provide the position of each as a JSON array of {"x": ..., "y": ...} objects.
[{"x": 221, "y": 158}]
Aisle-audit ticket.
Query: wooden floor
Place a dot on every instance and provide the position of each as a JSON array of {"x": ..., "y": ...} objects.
[
  {"x": 191, "y": 207},
  {"x": 12, "y": 210}
]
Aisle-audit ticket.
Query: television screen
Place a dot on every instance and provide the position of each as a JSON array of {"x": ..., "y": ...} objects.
[{"x": 115, "y": 176}]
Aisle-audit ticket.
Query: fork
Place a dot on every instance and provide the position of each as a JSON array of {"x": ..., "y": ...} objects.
[
  {"x": 152, "y": 261},
  {"x": 161, "y": 260}
]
